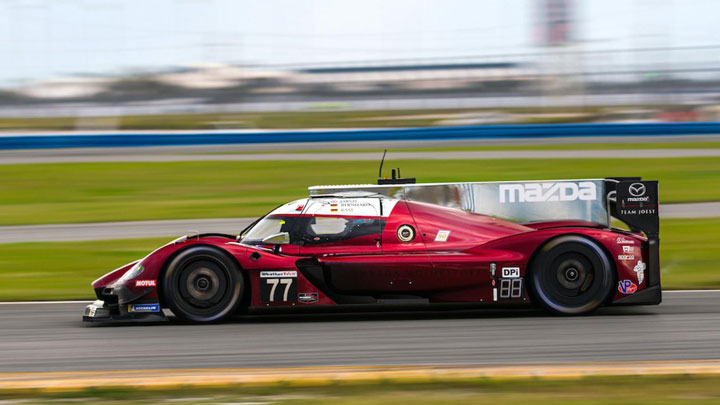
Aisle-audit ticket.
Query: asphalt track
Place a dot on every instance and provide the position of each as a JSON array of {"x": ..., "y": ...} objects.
[{"x": 51, "y": 337}]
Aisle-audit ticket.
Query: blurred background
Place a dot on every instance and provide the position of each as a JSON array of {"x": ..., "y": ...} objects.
[
  {"x": 93, "y": 75},
  {"x": 224, "y": 64},
  {"x": 125, "y": 124}
]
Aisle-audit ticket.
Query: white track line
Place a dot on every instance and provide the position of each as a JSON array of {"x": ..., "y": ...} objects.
[
  {"x": 688, "y": 291},
  {"x": 43, "y": 302}
]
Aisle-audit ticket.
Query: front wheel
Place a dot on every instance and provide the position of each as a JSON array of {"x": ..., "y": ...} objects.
[
  {"x": 571, "y": 275},
  {"x": 202, "y": 285}
]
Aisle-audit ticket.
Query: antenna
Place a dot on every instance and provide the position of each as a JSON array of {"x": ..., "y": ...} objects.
[
  {"x": 381, "y": 164},
  {"x": 396, "y": 178}
]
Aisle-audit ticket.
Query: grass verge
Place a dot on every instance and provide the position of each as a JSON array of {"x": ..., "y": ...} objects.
[
  {"x": 96, "y": 192},
  {"x": 64, "y": 270},
  {"x": 664, "y": 389}
]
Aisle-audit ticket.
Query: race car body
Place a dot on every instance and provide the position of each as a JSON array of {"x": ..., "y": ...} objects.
[{"x": 548, "y": 243}]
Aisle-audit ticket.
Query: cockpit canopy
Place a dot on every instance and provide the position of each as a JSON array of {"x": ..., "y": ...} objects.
[{"x": 322, "y": 220}]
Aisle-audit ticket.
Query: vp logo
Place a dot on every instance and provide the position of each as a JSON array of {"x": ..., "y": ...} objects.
[{"x": 637, "y": 189}]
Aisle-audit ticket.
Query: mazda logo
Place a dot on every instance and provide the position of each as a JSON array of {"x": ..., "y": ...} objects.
[{"x": 637, "y": 189}]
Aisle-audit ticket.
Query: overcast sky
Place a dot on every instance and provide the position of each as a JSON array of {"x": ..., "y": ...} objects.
[{"x": 55, "y": 38}]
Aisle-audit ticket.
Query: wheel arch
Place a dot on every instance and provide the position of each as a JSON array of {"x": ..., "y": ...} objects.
[
  {"x": 571, "y": 236},
  {"x": 161, "y": 275}
]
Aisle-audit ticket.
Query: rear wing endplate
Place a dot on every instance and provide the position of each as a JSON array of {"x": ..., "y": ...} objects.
[{"x": 636, "y": 203}]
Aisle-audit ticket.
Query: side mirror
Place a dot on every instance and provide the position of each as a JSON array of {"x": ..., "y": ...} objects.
[{"x": 282, "y": 238}]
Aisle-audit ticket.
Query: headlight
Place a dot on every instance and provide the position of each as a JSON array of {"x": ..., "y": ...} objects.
[{"x": 134, "y": 271}]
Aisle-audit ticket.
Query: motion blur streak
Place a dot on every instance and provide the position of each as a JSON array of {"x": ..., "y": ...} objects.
[
  {"x": 50, "y": 338},
  {"x": 326, "y": 375},
  {"x": 148, "y": 229},
  {"x": 314, "y": 157}
]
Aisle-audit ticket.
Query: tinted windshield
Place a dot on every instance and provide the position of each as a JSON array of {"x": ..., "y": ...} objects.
[
  {"x": 319, "y": 230},
  {"x": 313, "y": 230},
  {"x": 267, "y": 226}
]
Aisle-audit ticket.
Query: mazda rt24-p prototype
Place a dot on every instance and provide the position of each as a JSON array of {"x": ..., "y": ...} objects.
[{"x": 548, "y": 243}]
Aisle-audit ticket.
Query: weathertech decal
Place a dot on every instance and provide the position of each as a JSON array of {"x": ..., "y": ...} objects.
[
  {"x": 543, "y": 192},
  {"x": 273, "y": 274},
  {"x": 145, "y": 283}
]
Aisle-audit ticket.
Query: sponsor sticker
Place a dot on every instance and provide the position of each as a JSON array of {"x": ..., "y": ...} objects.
[
  {"x": 91, "y": 311},
  {"x": 353, "y": 206},
  {"x": 511, "y": 272},
  {"x": 144, "y": 308},
  {"x": 280, "y": 286},
  {"x": 637, "y": 205},
  {"x": 627, "y": 287},
  {"x": 277, "y": 274},
  {"x": 621, "y": 240},
  {"x": 637, "y": 189},
  {"x": 637, "y": 193},
  {"x": 308, "y": 298},
  {"x": 543, "y": 192},
  {"x": 639, "y": 269},
  {"x": 627, "y": 249},
  {"x": 442, "y": 236},
  {"x": 626, "y": 257},
  {"x": 145, "y": 283}
]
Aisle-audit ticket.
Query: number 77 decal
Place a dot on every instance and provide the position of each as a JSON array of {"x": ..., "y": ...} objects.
[{"x": 269, "y": 289}]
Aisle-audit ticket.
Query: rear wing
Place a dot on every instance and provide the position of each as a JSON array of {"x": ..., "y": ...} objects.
[
  {"x": 636, "y": 203},
  {"x": 628, "y": 199}
]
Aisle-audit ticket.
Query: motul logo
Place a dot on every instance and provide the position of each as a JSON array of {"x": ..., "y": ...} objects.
[
  {"x": 541, "y": 192},
  {"x": 145, "y": 283}
]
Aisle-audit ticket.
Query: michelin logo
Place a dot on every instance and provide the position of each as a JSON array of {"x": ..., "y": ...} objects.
[
  {"x": 639, "y": 269},
  {"x": 144, "y": 308},
  {"x": 542, "y": 192}
]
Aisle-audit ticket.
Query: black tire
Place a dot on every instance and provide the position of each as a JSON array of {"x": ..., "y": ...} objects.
[
  {"x": 571, "y": 275},
  {"x": 202, "y": 284}
]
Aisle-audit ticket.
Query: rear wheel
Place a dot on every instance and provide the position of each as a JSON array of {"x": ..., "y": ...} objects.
[
  {"x": 202, "y": 284},
  {"x": 571, "y": 275}
]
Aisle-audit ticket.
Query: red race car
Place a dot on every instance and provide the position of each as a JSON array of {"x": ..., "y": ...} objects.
[{"x": 548, "y": 243}]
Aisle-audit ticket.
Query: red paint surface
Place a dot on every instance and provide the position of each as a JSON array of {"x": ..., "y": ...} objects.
[{"x": 454, "y": 270}]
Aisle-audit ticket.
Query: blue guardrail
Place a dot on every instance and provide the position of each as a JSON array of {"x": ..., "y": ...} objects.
[{"x": 160, "y": 138}]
